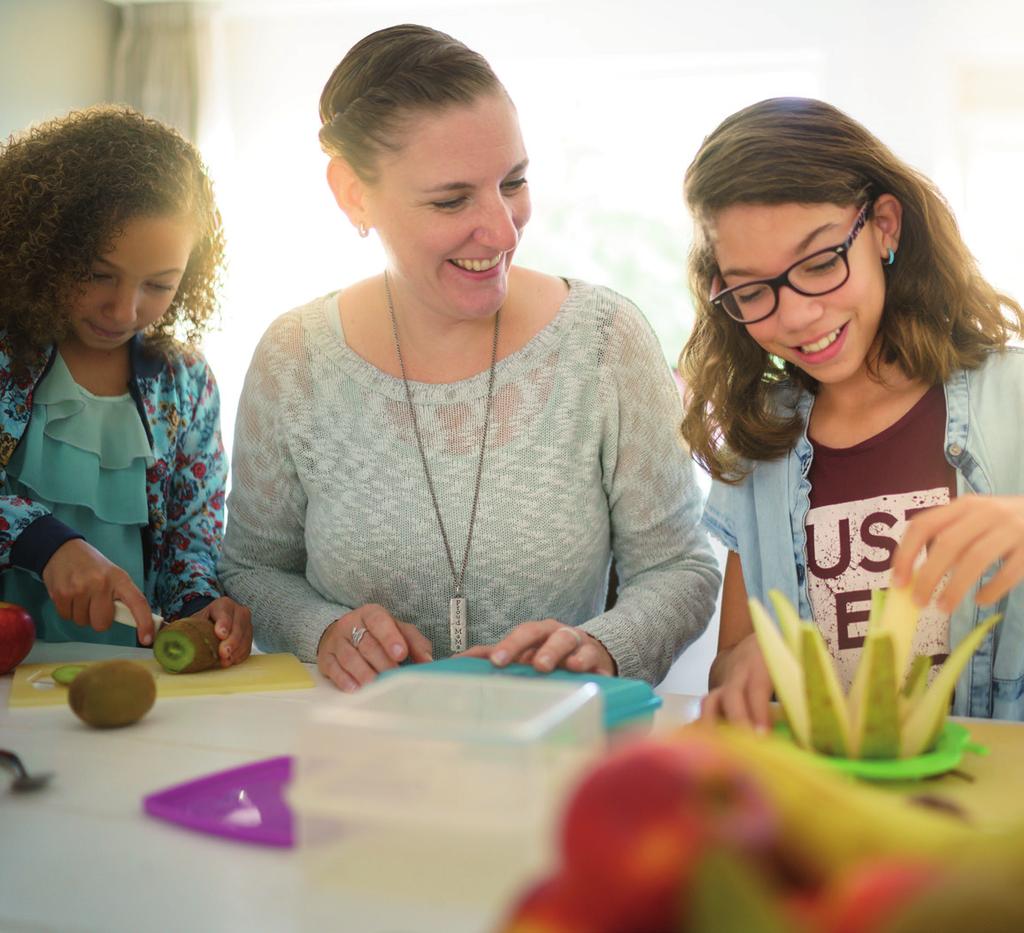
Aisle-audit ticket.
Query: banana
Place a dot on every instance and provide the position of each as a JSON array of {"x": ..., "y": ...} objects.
[{"x": 830, "y": 821}]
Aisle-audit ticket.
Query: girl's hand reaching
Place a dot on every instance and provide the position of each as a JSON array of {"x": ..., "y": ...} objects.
[
  {"x": 745, "y": 687},
  {"x": 964, "y": 538},
  {"x": 83, "y": 585},
  {"x": 232, "y": 624}
]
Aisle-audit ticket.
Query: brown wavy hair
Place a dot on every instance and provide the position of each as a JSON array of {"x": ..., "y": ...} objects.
[
  {"x": 388, "y": 76},
  {"x": 67, "y": 189},
  {"x": 940, "y": 315}
]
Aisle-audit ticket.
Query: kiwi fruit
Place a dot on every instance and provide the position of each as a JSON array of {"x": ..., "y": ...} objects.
[
  {"x": 66, "y": 673},
  {"x": 112, "y": 693},
  {"x": 187, "y": 646}
]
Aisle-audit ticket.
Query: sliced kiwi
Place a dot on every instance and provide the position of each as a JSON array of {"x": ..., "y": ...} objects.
[
  {"x": 112, "y": 693},
  {"x": 187, "y": 646},
  {"x": 66, "y": 673}
]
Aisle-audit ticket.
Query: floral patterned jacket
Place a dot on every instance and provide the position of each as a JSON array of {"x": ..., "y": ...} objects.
[{"x": 179, "y": 405}]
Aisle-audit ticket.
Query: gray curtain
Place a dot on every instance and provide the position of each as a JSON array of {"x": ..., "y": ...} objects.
[{"x": 157, "y": 67}]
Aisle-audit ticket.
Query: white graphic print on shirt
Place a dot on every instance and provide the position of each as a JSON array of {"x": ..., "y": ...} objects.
[{"x": 849, "y": 551}]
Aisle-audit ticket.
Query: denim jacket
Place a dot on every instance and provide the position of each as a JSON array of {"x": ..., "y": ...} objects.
[
  {"x": 763, "y": 519},
  {"x": 179, "y": 405}
]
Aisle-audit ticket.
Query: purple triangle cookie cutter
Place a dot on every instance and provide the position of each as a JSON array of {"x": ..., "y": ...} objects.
[{"x": 245, "y": 803}]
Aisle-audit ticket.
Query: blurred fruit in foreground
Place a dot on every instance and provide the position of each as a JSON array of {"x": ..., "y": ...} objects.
[
  {"x": 554, "y": 905},
  {"x": 716, "y": 830},
  {"x": 637, "y": 825},
  {"x": 830, "y": 822},
  {"x": 863, "y": 898},
  {"x": 971, "y": 896}
]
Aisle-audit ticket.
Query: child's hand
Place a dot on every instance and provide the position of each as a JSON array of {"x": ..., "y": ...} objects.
[
  {"x": 745, "y": 693},
  {"x": 232, "y": 624},
  {"x": 83, "y": 585},
  {"x": 967, "y": 537}
]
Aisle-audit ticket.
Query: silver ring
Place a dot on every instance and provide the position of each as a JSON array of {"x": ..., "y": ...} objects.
[
  {"x": 575, "y": 634},
  {"x": 356, "y": 635}
]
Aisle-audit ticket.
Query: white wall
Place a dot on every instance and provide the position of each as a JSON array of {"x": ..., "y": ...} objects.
[{"x": 55, "y": 55}]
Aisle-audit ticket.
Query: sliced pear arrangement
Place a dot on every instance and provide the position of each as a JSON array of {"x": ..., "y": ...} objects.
[{"x": 891, "y": 710}]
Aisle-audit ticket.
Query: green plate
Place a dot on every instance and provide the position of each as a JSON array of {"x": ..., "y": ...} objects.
[{"x": 954, "y": 740}]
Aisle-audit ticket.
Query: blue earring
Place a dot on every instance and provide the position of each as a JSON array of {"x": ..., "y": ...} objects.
[{"x": 892, "y": 257}]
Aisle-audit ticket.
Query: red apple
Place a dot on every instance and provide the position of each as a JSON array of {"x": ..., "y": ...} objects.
[
  {"x": 553, "y": 905},
  {"x": 640, "y": 821},
  {"x": 17, "y": 635},
  {"x": 863, "y": 898}
]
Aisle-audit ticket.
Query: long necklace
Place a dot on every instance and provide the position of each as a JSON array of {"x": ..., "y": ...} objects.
[{"x": 458, "y": 611}]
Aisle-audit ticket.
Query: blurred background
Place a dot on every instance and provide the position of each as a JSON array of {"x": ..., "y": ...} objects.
[{"x": 614, "y": 99}]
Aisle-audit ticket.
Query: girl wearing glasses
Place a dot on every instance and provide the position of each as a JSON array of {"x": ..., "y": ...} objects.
[{"x": 852, "y": 393}]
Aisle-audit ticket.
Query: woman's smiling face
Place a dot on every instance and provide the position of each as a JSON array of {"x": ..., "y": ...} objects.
[
  {"x": 450, "y": 206},
  {"x": 828, "y": 336}
]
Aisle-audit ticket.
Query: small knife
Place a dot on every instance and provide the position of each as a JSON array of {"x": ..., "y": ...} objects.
[{"x": 124, "y": 615}]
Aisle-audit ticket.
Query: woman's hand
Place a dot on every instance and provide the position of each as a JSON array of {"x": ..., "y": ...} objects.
[
  {"x": 232, "y": 623},
  {"x": 83, "y": 585},
  {"x": 967, "y": 537},
  {"x": 380, "y": 643},
  {"x": 546, "y": 645},
  {"x": 745, "y": 688}
]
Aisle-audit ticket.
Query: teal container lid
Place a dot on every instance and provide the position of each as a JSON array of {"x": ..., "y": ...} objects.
[{"x": 626, "y": 701}]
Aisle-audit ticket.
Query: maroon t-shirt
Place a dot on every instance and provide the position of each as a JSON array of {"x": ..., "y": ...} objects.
[{"x": 861, "y": 500}]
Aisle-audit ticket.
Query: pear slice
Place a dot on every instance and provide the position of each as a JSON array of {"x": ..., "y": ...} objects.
[
  {"x": 877, "y": 608},
  {"x": 915, "y": 684},
  {"x": 876, "y": 721},
  {"x": 917, "y": 677},
  {"x": 789, "y": 621},
  {"x": 899, "y": 617},
  {"x": 826, "y": 705},
  {"x": 785, "y": 671},
  {"x": 925, "y": 719},
  {"x": 859, "y": 687}
]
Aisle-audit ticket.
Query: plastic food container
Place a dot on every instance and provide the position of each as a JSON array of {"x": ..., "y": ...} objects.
[
  {"x": 439, "y": 789},
  {"x": 628, "y": 703},
  {"x": 444, "y": 751}
]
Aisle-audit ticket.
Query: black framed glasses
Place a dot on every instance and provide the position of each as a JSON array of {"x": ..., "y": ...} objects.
[{"x": 819, "y": 273}]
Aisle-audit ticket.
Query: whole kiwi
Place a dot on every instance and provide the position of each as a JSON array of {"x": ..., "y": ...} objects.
[{"x": 112, "y": 693}]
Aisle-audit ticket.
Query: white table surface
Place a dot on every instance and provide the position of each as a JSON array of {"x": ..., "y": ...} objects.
[{"x": 82, "y": 855}]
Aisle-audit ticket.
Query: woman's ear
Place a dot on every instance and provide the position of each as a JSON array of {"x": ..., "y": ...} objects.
[
  {"x": 349, "y": 191},
  {"x": 887, "y": 216}
]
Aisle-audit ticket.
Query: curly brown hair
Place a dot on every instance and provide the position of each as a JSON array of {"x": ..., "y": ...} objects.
[
  {"x": 939, "y": 315},
  {"x": 67, "y": 189}
]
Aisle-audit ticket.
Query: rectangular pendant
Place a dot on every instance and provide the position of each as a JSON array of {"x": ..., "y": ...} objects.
[{"x": 457, "y": 619}]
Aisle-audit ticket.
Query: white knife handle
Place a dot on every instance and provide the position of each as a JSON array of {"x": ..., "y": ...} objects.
[{"x": 124, "y": 615}]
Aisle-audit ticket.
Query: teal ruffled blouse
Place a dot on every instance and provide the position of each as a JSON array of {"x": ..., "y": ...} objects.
[{"x": 84, "y": 457}]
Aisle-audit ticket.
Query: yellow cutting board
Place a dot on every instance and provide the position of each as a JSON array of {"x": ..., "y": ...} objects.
[{"x": 259, "y": 672}]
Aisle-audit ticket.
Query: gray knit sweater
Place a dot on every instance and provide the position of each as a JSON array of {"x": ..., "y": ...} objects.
[{"x": 329, "y": 508}]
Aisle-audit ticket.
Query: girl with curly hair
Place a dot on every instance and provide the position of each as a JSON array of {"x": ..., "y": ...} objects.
[
  {"x": 852, "y": 391},
  {"x": 111, "y": 462}
]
